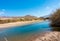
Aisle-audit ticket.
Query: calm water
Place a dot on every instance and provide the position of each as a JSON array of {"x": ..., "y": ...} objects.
[{"x": 22, "y": 33}]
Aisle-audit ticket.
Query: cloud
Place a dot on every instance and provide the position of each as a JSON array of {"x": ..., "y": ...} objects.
[
  {"x": 59, "y": 5},
  {"x": 2, "y": 11},
  {"x": 48, "y": 9}
]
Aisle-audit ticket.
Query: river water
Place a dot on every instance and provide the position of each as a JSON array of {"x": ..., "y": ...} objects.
[{"x": 22, "y": 33}]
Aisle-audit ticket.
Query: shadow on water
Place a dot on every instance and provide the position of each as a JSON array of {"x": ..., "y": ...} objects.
[{"x": 55, "y": 28}]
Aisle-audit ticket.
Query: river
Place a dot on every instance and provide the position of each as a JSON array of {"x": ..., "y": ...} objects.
[{"x": 22, "y": 33}]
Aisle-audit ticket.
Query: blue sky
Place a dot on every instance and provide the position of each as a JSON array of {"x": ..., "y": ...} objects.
[{"x": 28, "y": 7}]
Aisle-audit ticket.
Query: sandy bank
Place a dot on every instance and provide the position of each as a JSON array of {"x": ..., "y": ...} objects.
[
  {"x": 7, "y": 25},
  {"x": 47, "y": 36}
]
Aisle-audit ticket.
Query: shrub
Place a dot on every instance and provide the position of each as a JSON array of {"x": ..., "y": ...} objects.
[{"x": 55, "y": 18}]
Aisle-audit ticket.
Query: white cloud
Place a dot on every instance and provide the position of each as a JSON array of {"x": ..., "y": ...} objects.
[
  {"x": 59, "y": 3},
  {"x": 2, "y": 11},
  {"x": 47, "y": 8}
]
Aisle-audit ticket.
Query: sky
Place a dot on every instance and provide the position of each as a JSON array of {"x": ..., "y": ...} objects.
[{"x": 28, "y": 7}]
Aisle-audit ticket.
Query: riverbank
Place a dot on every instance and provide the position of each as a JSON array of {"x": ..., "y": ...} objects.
[
  {"x": 7, "y": 25},
  {"x": 47, "y": 36}
]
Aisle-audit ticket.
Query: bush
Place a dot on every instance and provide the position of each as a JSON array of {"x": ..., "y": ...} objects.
[{"x": 55, "y": 18}]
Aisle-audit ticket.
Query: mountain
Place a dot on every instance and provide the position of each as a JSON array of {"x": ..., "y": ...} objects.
[{"x": 30, "y": 17}]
